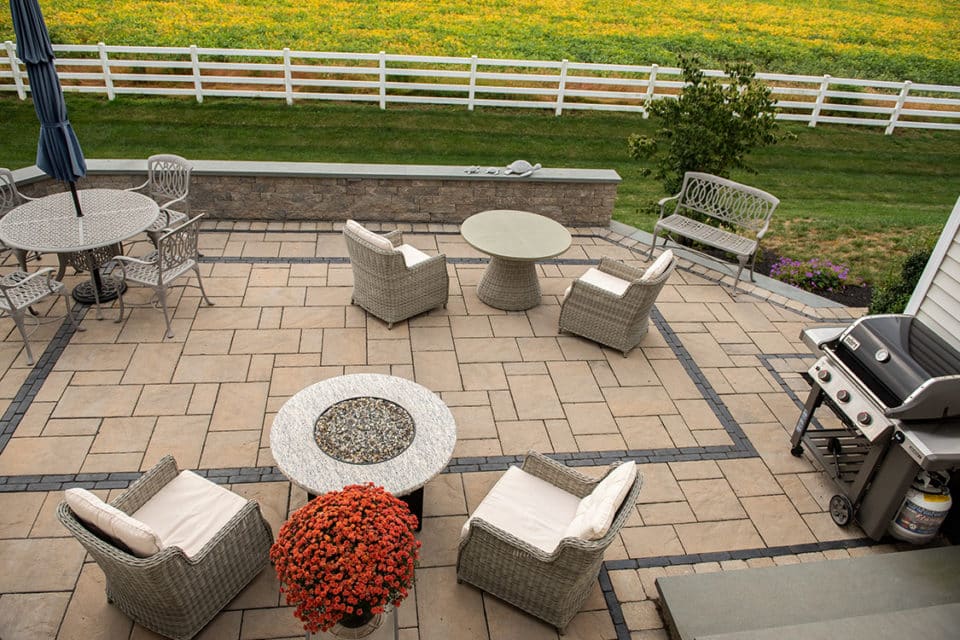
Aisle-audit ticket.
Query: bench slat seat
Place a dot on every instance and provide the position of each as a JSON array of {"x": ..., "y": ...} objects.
[{"x": 710, "y": 235}]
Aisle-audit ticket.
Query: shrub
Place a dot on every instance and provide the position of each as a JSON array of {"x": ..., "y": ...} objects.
[
  {"x": 892, "y": 294},
  {"x": 711, "y": 126},
  {"x": 813, "y": 275}
]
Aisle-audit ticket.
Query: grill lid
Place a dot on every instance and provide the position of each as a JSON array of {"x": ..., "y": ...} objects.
[{"x": 910, "y": 369}]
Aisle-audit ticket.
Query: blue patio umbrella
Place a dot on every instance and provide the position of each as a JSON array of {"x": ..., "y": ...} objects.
[{"x": 58, "y": 150}]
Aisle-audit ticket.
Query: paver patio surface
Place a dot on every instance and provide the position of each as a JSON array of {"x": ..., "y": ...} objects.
[{"x": 705, "y": 405}]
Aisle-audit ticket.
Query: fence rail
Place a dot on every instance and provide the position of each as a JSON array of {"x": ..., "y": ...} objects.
[{"x": 465, "y": 81}]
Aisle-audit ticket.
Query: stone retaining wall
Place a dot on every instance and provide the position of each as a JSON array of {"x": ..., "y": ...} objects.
[{"x": 321, "y": 191}]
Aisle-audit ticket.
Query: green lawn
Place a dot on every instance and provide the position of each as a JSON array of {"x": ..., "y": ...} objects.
[{"x": 848, "y": 194}]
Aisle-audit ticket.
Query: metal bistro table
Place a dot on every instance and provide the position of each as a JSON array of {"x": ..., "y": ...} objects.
[
  {"x": 362, "y": 428},
  {"x": 51, "y": 225},
  {"x": 514, "y": 240}
]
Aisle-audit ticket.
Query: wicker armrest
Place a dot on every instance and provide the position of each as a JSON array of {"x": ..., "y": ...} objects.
[
  {"x": 395, "y": 237},
  {"x": 247, "y": 524},
  {"x": 557, "y": 474},
  {"x": 487, "y": 535},
  {"x": 147, "y": 485},
  {"x": 430, "y": 264},
  {"x": 620, "y": 269}
]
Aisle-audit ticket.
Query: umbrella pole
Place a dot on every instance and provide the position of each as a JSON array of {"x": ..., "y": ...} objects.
[{"x": 76, "y": 199}]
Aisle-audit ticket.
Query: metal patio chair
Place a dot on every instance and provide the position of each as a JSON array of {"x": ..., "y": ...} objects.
[
  {"x": 168, "y": 182},
  {"x": 11, "y": 197},
  {"x": 19, "y": 290}
]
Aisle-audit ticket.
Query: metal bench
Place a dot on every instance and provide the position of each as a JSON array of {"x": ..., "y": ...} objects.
[{"x": 744, "y": 209}]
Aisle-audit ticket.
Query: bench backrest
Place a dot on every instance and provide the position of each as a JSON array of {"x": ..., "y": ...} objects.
[{"x": 727, "y": 200}]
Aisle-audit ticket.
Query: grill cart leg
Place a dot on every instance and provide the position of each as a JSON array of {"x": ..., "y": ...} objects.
[{"x": 814, "y": 400}]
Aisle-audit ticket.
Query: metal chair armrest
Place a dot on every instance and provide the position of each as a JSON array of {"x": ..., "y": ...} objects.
[
  {"x": 662, "y": 203},
  {"x": 138, "y": 187}
]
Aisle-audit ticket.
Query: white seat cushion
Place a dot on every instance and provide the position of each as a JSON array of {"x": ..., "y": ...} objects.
[
  {"x": 411, "y": 255},
  {"x": 527, "y": 507},
  {"x": 659, "y": 266},
  {"x": 375, "y": 239},
  {"x": 124, "y": 530},
  {"x": 613, "y": 284},
  {"x": 596, "y": 510},
  {"x": 188, "y": 511}
]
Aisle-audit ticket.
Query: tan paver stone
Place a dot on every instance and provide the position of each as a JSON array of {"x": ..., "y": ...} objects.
[
  {"x": 431, "y": 339},
  {"x": 749, "y": 316},
  {"x": 70, "y": 427},
  {"x": 716, "y": 380},
  {"x": 641, "y": 615},
  {"x": 749, "y": 408},
  {"x": 726, "y": 535},
  {"x": 407, "y": 611},
  {"x": 638, "y": 401},
  {"x": 266, "y": 340},
  {"x": 92, "y": 378},
  {"x": 463, "y": 618},
  {"x": 279, "y": 297},
  {"x": 770, "y": 342},
  {"x": 256, "y": 249},
  {"x": 437, "y": 370},
  {"x": 534, "y": 397},
  {"x": 712, "y": 438},
  {"x": 286, "y": 381},
  {"x": 180, "y": 436},
  {"x": 561, "y": 438},
  {"x": 773, "y": 445},
  {"x": 825, "y": 530},
  {"x": 695, "y": 470},
  {"x": 52, "y": 387},
  {"x": 219, "y": 318},
  {"x": 749, "y": 477},
  {"x": 591, "y": 625},
  {"x": 147, "y": 325},
  {"x": 821, "y": 488},
  {"x": 666, "y": 513},
  {"x": 477, "y": 485},
  {"x": 344, "y": 346},
  {"x": 123, "y": 435},
  {"x": 589, "y": 418},
  {"x": 511, "y": 326},
  {"x": 627, "y": 585},
  {"x": 659, "y": 485},
  {"x": 697, "y": 414},
  {"x": 239, "y": 406},
  {"x": 440, "y": 536},
  {"x": 270, "y": 623},
  {"x": 712, "y": 499},
  {"x": 164, "y": 399},
  {"x": 474, "y": 422},
  {"x": 203, "y": 398},
  {"x": 777, "y": 521},
  {"x": 20, "y": 572},
  {"x": 17, "y": 514},
  {"x": 577, "y": 348},
  {"x": 574, "y": 382},
  {"x": 389, "y": 352},
  {"x": 483, "y": 375},
  {"x": 222, "y": 287},
  {"x": 261, "y": 368},
  {"x": 781, "y": 406},
  {"x": 108, "y": 462},
  {"x": 44, "y": 455},
  {"x": 675, "y": 379},
  {"x": 314, "y": 318},
  {"x": 522, "y": 436},
  {"x": 747, "y": 380},
  {"x": 646, "y": 432},
  {"x": 675, "y": 312},
  {"x": 603, "y": 374},
  {"x": 465, "y": 398},
  {"x": 525, "y": 368},
  {"x": 651, "y": 541},
  {"x": 727, "y": 332},
  {"x": 208, "y": 342},
  {"x": 471, "y": 448},
  {"x": 601, "y": 442},
  {"x": 539, "y": 349},
  {"x": 797, "y": 491},
  {"x": 26, "y": 616},
  {"x": 377, "y": 330},
  {"x": 506, "y": 622},
  {"x": 230, "y": 449},
  {"x": 326, "y": 297},
  {"x": 633, "y": 371},
  {"x": 444, "y": 496},
  {"x": 340, "y": 276},
  {"x": 705, "y": 350},
  {"x": 471, "y": 327},
  {"x": 231, "y": 368},
  {"x": 487, "y": 350},
  {"x": 757, "y": 563},
  {"x": 94, "y": 357},
  {"x": 35, "y": 419},
  {"x": 679, "y": 433},
  {"x": 269, "y": 276}
]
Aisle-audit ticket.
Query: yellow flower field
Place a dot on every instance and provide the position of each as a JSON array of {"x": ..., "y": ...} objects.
[{"x": 864, "y": 38}]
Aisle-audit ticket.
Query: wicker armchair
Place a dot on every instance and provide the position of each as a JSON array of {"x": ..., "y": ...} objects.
[
  {"x": 617, "y": 321},
  {"x": 10, "y": 197},
  {"x": 170, "y": 593},
  {"x": 385, "y": 286},
  {"x": 550, "y": 586},
  {"x": 168, "y": 182}
]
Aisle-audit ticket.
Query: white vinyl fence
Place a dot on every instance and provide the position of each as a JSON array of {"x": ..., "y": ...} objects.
[{"x": 470, "y": 82}]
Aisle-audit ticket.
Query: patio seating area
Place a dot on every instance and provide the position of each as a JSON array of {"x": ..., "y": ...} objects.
[{"x": 704, "y": 405}]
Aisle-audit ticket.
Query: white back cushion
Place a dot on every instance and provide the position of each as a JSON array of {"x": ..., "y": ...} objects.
[
  {"x": 375, "y": 239},
  {"x": 130, "y": 532},
  {"x": 659, "y": 265},
  {"x": 189, "y": 510},
  {"x": 613, "y": 284},
  {"x": 597, "y": 509},
  {"x": 411, "y": 255}
]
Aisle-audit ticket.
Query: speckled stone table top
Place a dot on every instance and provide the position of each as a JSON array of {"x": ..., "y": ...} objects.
[{"x": 294, "y": 446}]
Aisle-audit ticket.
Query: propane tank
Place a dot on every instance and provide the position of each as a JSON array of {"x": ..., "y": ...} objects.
[{"x": 924, "y": 508}]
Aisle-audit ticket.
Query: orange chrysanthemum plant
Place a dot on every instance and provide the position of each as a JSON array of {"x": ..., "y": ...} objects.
[{"x": 346, "y": 554}]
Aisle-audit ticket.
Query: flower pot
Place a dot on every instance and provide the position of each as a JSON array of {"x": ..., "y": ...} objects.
[{"x": 367, "y": 627}]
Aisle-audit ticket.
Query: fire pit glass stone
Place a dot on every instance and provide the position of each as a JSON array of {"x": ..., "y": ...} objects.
[{"x": 364, "y": 430}]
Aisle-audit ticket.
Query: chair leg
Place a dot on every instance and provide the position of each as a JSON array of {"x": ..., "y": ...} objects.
[
  {"x": 653, "y": 243},
  {"x": 162, "y": 294},
  {"x": 18, "y": 320},
  {"x": 120, "y": 315},
  {"x": 196, "y": 270},
  {"x": 66, "y": 303},
  {"x": 736, "y": 281},
  {"x": 753, "y": 262}
]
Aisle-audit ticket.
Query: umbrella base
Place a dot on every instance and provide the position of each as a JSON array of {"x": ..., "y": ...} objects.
[{"x": 111, "y": 289}]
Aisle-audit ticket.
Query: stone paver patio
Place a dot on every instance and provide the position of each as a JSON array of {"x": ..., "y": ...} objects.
[{"x": 705, "y": 405}]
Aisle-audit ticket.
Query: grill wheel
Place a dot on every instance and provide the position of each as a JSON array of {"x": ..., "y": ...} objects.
[{"x": 841, "y": 510}]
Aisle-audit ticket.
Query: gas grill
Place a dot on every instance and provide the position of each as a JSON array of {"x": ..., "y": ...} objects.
[{"x": 894, "y": 384}]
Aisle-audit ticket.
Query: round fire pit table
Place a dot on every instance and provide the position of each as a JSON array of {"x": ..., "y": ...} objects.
[{"x": 363, "y": 428}]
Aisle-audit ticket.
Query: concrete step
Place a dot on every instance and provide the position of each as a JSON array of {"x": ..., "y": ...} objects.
[{"x": 702, "y": 605}]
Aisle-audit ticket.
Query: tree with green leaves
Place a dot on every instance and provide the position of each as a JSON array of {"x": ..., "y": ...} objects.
[{"x": 710, "y": 127}]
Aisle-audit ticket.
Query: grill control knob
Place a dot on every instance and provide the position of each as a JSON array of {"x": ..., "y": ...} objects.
[
  {"x": 843, "y": 395},
  {"x": 824, "y": 375},
  {"x": 864, "y": 418}
]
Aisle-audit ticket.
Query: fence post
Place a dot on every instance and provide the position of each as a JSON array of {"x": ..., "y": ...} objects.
[
  {"x": 287, "y": 75},
  {"x": 473, "y": 83},
  {"x": 561, "y": 86},
  {"x": 895, "y": 114},
  {"x": 105, "y": 63},
  {"x": 651, "y": 89},
  {"x": 15, "y": 69},
  {"x": 383, "y": 80},
  {"x": 197, "y": 82},
  {"x": 818, "y": 105}
]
